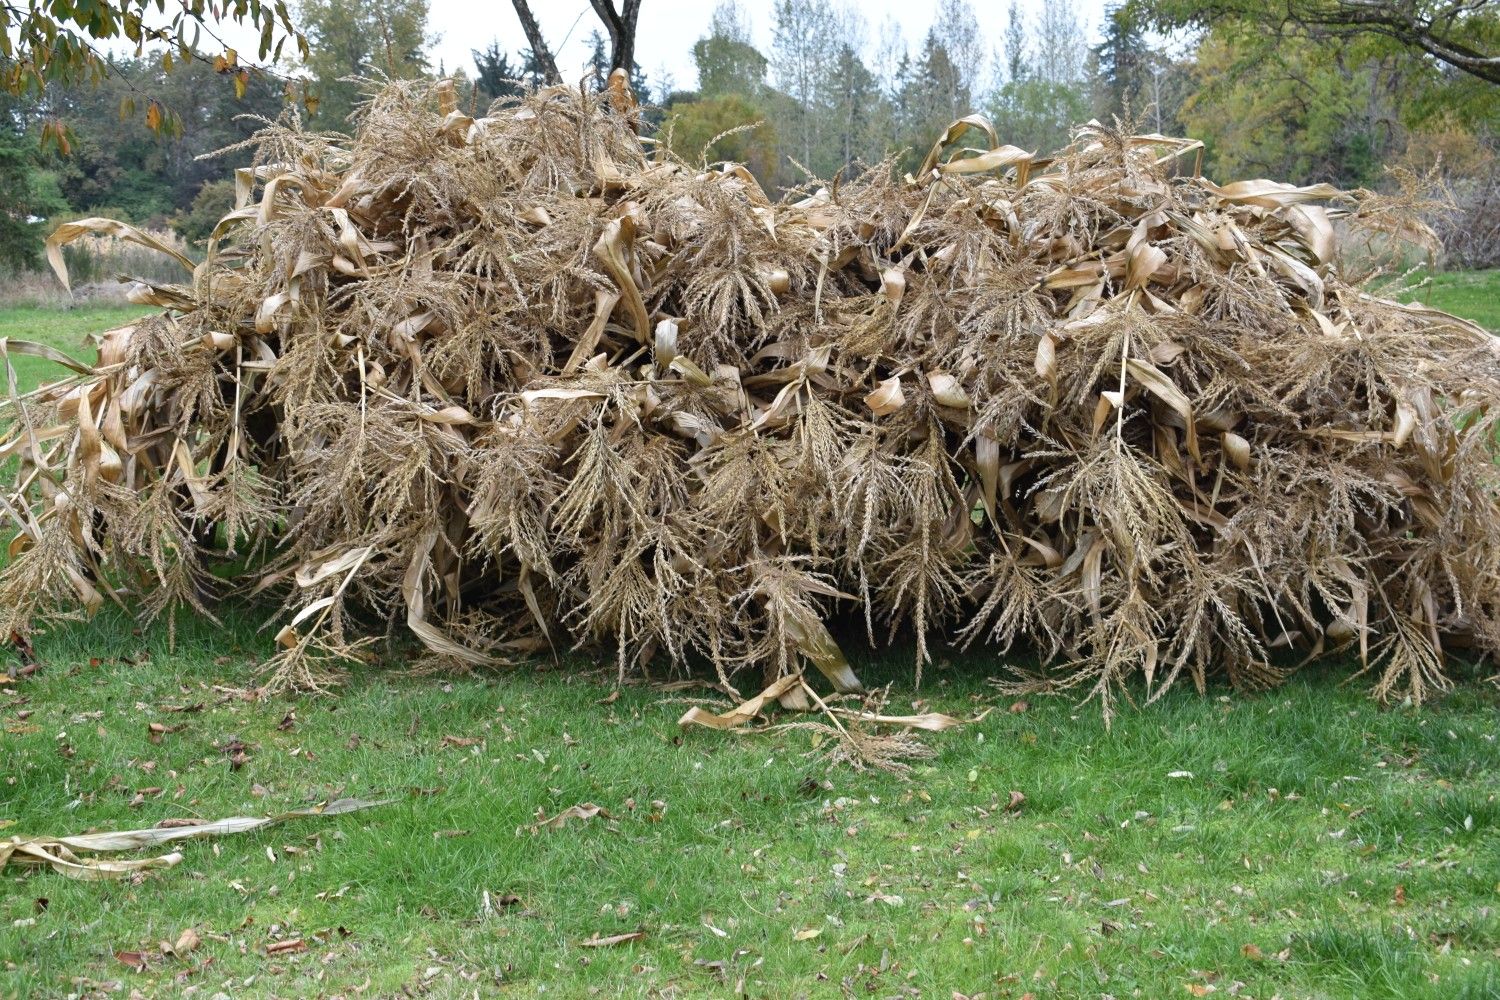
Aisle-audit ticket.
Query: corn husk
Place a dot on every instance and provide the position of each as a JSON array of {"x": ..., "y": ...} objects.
[{"x": 519, "y": 382}]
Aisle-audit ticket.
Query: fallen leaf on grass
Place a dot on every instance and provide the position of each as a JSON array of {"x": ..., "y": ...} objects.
[
  {"x": 581, "y": 812},
  {"x": 1016, "y": 800},
  {"x": 135, "y": 959},
  {"x": 62, "y": 853},
  {"x": 608, "y": 942},
  {"x": 238, "y": 752},
  {"x": 180, "y": 822},
  {"x": 1252, "y": 952},
  {"x": 156, "y": 730},
  {"x": 610, "y": 698},
  {"x": 806, "y": 933},
  {"x": 186, "y": 943},
  {"x": 22, "y": 648},
  {"x": 743, "y": 712},
  {"x": 288, "y": 947},
  {"x": 460, "y": 741}
]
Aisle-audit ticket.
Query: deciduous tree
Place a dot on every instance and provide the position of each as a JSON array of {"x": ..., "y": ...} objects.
[
  {"x": 1463, "y": 34},
  {"x": 727, "y": 60},
  {"x": 361, "y": 38}
]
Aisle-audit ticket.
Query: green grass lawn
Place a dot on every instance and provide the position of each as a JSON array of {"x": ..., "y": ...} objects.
[
  {"x": 1303, "y": 843},
  {"x": 1472, "y": 294},
  {"x": 65, "y": 329}
]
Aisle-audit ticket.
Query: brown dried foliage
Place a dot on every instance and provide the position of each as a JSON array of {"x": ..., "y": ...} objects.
[{"x": 525, "y": 382}]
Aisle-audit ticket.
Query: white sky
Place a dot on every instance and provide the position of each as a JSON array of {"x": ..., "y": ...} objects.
[{"x": 667, "y": 29}]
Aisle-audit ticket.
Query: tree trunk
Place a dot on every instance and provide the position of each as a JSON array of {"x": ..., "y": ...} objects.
[
  {"x": 621, "y": 27},
  {"x": 539, "y": 50}
]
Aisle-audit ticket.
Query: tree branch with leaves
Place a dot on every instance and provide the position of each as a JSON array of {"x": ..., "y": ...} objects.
[
  {"x": 1462, "y": 34},
  {"x": 41, "y": 43}
]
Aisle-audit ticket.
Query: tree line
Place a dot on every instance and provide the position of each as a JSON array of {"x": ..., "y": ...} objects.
[{"x": 1292, "y": 94}]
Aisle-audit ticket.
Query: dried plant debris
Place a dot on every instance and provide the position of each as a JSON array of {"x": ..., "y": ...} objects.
[
  {"x": 72, "y": 856},
  {"x": 849, "y": 736},
  {"x": 523, "y": 382}
]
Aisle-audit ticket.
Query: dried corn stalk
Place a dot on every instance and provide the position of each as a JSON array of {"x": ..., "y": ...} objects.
[
  {"x": 518, "y": 383},
  {"x": 73, "y": 856}
]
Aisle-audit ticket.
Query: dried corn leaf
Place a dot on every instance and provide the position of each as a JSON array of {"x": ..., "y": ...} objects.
[
  {"x": 65, "y": 854},
  {"x": 745, "y": 712}
]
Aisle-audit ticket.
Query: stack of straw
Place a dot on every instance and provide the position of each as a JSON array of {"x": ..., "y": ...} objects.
[{"x": 525, "y": 381}]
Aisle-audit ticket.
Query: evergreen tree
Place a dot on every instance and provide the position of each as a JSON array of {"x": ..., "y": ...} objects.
[
  {"x": 1123, "y": 65},
  {"x": 598, "y": 62},
  {"x": 532, "y": 70},
  {"x": 957, "y": 31},
  {"x": 934, "y": 87},
  {"x": 494, "y": 75},
  {"x": 853, "y": 95},
  {"x": 20, "y": 239}
]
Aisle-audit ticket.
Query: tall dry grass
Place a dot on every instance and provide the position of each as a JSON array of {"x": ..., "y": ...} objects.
[{"x": 102, "y": 270}]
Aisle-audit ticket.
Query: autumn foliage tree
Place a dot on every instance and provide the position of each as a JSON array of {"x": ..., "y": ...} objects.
[{"x": 65, "y": 43}]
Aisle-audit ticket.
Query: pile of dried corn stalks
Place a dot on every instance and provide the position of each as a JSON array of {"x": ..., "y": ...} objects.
[{"x": 525, "y": 381}]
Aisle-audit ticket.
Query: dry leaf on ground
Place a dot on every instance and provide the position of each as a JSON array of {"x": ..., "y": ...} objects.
[
  {"x": 68, "y": 855},
  {"x": 608, "y": 942},
  {"x": 580, "y": 813}
]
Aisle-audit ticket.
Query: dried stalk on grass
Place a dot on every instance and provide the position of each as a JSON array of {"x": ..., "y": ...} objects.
[
  {"x": 521, "y": 382},
  {"x": 849, "y": 737},
  {"x": 73, "y": 855}
]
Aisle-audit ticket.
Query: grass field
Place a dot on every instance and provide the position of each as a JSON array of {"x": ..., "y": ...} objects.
[
  {"x": 1302, "y": 844},
  {"x": 65, "y": 329},
  {"x": 1472, "y": 294}
]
